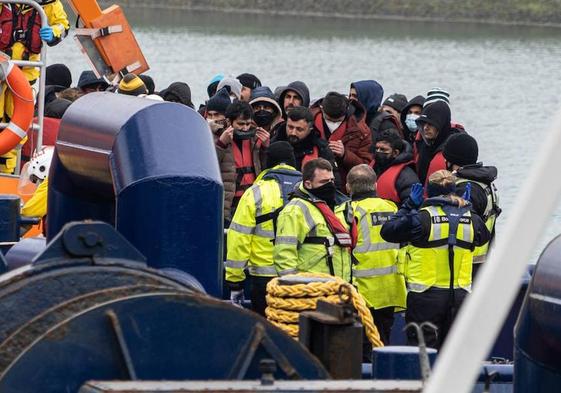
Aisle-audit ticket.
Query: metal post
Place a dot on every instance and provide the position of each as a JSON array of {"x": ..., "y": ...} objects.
[
  {"x": 42, "y": 65},
  {"x": 484, "y": 311}
]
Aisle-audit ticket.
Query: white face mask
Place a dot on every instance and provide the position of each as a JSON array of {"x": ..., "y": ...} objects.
[
  {"x": 333, "y": 125},
  {"x": 410, "y": 122}
]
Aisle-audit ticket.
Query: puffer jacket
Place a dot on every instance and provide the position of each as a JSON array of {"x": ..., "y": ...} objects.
[{"x": 227, "y": 171}]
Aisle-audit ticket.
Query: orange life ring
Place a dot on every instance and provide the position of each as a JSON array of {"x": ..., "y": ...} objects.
[{"x": 23, "y": 108}]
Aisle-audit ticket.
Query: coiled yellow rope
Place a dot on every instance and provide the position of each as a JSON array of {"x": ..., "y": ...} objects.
[{"x": 285, "y": 302}]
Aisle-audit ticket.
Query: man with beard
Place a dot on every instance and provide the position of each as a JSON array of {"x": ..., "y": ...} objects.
[
  {"x": 312, "y": 231},
  {"x": 293, "y": 95},
  {"x": 266, "y": 111},
  {"x": 305, "y": 140},
  {"x": 394, "y": 166}
]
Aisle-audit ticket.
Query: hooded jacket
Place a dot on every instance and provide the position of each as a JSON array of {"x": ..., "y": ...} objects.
[
  {"x": 415, "y": 101},
  {"x": 356, "y": 138},
  {"x": 384, "y": 121},
  {"x": 178, "y": 91},
  {"x": 370, "y": 94},
  {"x": 406, "y": 178},
  {"x": 300, "y": 88},
  {"x": 477, "y": 173},
  {"x": 438, "y": 115}
]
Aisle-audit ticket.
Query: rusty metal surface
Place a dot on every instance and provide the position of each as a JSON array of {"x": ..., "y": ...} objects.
[{"x": 254, "y": 386}]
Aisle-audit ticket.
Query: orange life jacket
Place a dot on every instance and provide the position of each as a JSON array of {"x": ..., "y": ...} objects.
[
  {"x": 310, "y": 156},
  {"x": 385, "y": 186},
  {"x": 245, "y": 167}
]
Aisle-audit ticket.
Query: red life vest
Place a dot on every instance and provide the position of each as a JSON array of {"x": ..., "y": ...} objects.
[
  {"x": 335, "y": 136},
  {"x": 342, "y": 235},
  {"x": 310, "y": 156},
  {"x": 19, "y": 24},
  {"x": 245, "y": 167},
  {"x": 385, "y": 186}
]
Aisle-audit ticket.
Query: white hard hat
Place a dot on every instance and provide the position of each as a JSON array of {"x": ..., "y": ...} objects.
[{"x": 40, "y": 162}]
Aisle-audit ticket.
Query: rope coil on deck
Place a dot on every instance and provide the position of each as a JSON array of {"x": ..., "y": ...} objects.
[{"x": 286, "y": 301}]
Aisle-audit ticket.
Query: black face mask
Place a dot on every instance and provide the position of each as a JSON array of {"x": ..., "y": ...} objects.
[
  {"x": 383, "y": 159},
  {"x": 326, "y": 193},
  {"x": 263, "y": 118},
  {"x": 240, "y": 135}
]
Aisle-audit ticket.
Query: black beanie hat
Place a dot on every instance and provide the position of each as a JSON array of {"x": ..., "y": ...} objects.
[
  {"x": 335, "y": 105},
  {"x": 249, "y": 80},
  {"x": 219, "y": 102},
  {"x": 461, "y": 149},
  {"x": 280, "y": 152},
  {"x": 58, "y": 74},
  {"x": 396, "y": 101},
  {"x": 148, "y": 82}
]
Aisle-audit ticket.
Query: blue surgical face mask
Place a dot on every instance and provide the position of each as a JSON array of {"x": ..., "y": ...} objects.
[{"x": 410, "y": 121}]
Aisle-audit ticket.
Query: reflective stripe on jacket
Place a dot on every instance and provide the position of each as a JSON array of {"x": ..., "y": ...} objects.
[
  {"x": 250, "y": 244},
  {"x": 429, "y": 263},
  {"x": 490, "y": 216},
  {"x": 376, "y": 272},
  {"x": 300, "y": 220}
]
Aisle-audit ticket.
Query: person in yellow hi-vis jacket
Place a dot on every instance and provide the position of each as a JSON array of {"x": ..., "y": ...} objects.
[
  {"x": 252, "y": 231},
  {"x": 312, "y": 230},
  {"x": 375, "y": 270},
  {"x": 21, "y": 38}
]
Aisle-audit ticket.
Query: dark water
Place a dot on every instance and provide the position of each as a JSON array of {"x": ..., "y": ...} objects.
[{"x": 504, "y": 81}]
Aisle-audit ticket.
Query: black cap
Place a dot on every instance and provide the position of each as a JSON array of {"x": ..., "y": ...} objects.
[
  {"x": 88, "y": 78},
  {"x": 249, "y": 80},
  {"x": 461, "y": 149},
  {"x": 335, "y": 105},
  {"x": 219, "y": 102},
  {"x": 280, "y": 152},
  {"x": 58, "y": 74},
  {"x": 396, "y": 101},
  {"x": 148, "y": 82}
]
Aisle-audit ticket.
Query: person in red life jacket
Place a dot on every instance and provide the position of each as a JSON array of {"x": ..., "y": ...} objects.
[
  {"x": 388, "y": 116},
  {"x": 248, "y": 144},
  {"x": 54, "y": 111},
  {"x": 299, "y": 132},
  {"x": 369, "y": 94},
  {"x": 342, "y": 123},
  {"x": 266, "y": 111},
  {"x": 409, "y": 115},
  {"x": 394, "y": 167},
  {"x": 249, "y": 83},
  {"x": 215, "y": 115},
  {"x": 434, "y": 131}
]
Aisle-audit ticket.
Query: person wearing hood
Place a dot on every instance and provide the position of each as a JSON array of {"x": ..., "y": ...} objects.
[
  {"x": 341, "y": 123},
  {"x": 149, "y": 83},
  {"x": 312, "y": 231},
  {"x": 266, "y": 111},
  {"x": 409, "y": 115},
  {"x": 434, "y": 131},
  {"x": 89, "y": 83},
  {"x": 394, "y": 166},
  {"x": 233, "y": 86},
  {"x": 295, "y": 94},
  {"x": 179, "y": 92},
  {"x": 58, "y": 75},
  {"x": 249, "y": 83},
  {"x": 460, "y": 153},
  {"x": 443, "y": 232},
  {"x": 248, "y": 145},
  {"x": 369, "y": 94},
  {"x": 215, "y": 115}
]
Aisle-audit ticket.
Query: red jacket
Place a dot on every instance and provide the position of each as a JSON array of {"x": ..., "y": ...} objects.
[{"x": 50, "y": 134}]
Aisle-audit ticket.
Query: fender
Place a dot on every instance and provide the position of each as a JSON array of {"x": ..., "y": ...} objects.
[{"x": 23, "y": 106}]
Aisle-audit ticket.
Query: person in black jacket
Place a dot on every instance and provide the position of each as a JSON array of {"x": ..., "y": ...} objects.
[
  {"x": 394, "y": 167},
  {"x": 461, "y": 152},
  {"x": 298, "y": 130},
  {"x": 409, "y": 115},
  {"x": 434, "y": 130}
]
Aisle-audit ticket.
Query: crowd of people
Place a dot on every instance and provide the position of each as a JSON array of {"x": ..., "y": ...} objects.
[{"x": 387, "y": 194}]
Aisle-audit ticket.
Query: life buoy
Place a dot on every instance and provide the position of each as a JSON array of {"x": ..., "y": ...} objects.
[{"x": 23, "y": 107}]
